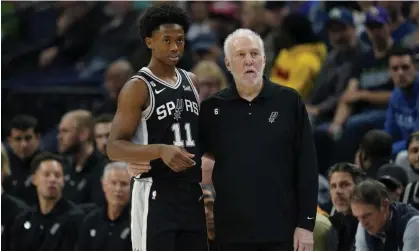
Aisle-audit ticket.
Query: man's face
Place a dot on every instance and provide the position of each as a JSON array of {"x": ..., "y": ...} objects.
[
  {"x": 68, "y": 135},
  {"x": 23, "y": 142},
  {"x": 371, "y": 218},
  {"x": 102, "y": 131},
  {"x": 378, "y": 34},
  {"x": 340, "y": 35},
  {"x": 116, "y": 186},
  {"x": 402, "y": 70},
  {"x": 209, "y": 210},
  {"x": 245, "y": 60},
  {"x": 275, "y": 17},
  {"x": 167, "y": 43},
  {"x": 49, "y": 180},
  {"x": 199, "y": 10},
  {"x": 413, "y": 154},
  {"x": 341, "y": 189}
]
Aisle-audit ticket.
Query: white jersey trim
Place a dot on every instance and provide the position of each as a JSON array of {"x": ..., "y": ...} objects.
[
  {"x": 151, "y": 75},
  {"x": 146, "y": 114},
  {"x": 139, "y": 213},
  {"x": 195, "y": 91}
]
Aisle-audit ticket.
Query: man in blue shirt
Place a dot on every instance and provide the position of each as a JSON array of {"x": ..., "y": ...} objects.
[{"x": 403, "y": 110}]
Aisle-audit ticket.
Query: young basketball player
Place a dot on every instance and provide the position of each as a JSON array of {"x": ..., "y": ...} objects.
[{"x": 156, "y": 121}]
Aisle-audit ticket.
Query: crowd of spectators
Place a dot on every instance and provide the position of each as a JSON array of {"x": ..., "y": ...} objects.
[{"x": 354, "y": 63}]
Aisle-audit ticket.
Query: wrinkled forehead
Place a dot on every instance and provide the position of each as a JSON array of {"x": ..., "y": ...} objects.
[{"x": 244, "y": 43}]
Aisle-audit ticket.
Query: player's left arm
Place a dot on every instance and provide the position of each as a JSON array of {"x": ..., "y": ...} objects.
[{"x": 306, "y": 166}]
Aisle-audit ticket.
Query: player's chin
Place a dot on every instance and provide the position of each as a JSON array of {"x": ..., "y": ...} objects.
[{"x": 172, "y": 60}]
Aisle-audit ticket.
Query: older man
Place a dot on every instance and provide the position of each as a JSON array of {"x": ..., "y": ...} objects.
[{"x": 265, "y": 172}]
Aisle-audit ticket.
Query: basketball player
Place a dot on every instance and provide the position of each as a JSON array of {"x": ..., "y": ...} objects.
[{"x": 156, "y": 121}]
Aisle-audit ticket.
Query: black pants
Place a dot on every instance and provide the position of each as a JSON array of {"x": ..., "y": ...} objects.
[
  {"x": 276, "y": 246},
  {"x": 167, "y": 216}
]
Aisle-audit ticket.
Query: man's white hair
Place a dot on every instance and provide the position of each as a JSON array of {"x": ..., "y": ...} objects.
[
  {"x": 114, "y": 165},
  {"x": 242, "y": 32}
]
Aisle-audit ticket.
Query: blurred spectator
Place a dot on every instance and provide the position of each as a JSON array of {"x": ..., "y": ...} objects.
[
  {"x": 208, "y": 193},
  {"x": 53, "y": 224},
  {"x": 321, "y": 229},
  {"x": 253, "y": 17},
  {"x": 364, "y": 102},
  {"x": 275, "y": 40},
  {"x": 200, "y": 19},
  {"x": 390, "y": 12},
  {"x": 403, "y": 110},
  {"x": 85, "y": 162},
  {"x": 205, "y": 47},
  {"x": 77, "y": 27},
  {"x": 211, "y": 78},
  {"x": 409, "y": 159},
  {"x": 323, "y": 198},
  {"x": 394, "y": 178},
  {"x": 411, "y": 194},
  {"x": 224, "y": 18},
  {"x": 23, "y": 145},
  {"x": 380, "y": 219},
  {"x": 102, "y": 130},
  {"x": 414, "y": 12},
  {"x": 343, "y": 178},
  {"x": 10, "y": 206},
  {"x": 298, "y": 65},
  {"x": 115, "y": 77},
  {"x": 335, "y": 72},
  {"x": 373, "y": 152},
  {"x": 115, "y": 40},
  {"x": 108, "y": 228}
]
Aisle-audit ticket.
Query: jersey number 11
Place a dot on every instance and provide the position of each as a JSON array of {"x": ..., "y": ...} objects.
[{"x": 178, "y": 138}]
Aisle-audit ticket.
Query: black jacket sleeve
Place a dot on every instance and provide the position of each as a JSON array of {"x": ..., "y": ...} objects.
[{"x": 307, "y": 173}]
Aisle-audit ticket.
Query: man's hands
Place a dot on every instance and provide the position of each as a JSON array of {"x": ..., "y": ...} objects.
[
  {"x": 175, "y": 157},
  {"x": 303, "y": 240}
]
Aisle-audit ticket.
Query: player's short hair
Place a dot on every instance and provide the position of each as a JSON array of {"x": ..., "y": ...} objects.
[
  {"x": 242, "y": 32},
  {"x": 370, "y": 192},
  {"x": 114, "y": 166},
  {"x": 45, "y": 156},
  {"x": 104, "y": 118},
  {"x": 23, "y": 122},
  {"x": 166, "y": 13},
  {"x": 357, "y": 174}
]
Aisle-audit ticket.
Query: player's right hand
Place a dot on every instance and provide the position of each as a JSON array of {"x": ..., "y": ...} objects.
[{"x": 177, "y": 158}]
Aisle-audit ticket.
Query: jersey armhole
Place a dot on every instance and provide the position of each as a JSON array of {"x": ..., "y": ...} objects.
[
  {"x": 192, "y": 85},
  {"x": 150, "y": 108}
]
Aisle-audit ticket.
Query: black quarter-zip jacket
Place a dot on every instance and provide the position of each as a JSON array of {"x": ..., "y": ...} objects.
[{"x": 265, "y": 172}]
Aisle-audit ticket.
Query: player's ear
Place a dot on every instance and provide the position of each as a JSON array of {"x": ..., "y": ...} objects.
[
  {"x": 227, "y": 64},
  {"x": 149, "y": 42}
]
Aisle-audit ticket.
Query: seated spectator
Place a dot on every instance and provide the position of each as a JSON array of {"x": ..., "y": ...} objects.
[
  {"x": 298, "y": 66},
  {"x": 390, "y": 12},
  {"x": 10, "y": 206},
  {"x": 384, "y": 225},
  {"x": 364, "y": 102},
  {"x": 411, "y": 194},
  {"x": 403, "y": 109},
  {"x": 409, "y": 159},
  {"x": 84, "y": 162},
  {"x": 395, "y": 179},
  {"x": 114, "y": 41},
  {"x": 323, "y": 197},
  {"x": 211, "y": 78},
  {"x": 108, "y": 228},
  {"x": 320, "y": 231},
  {"x": 253, "y": 17},
  {"x": 343, "y": 177},
  {"x": 115, "y": 77},
  {"x": 200, "y": 24},
  {"x": 102, "y": 129},
  {"x": 23, "y": 145},
  {"x": 53, "y": 223},
  {"x": 209, "y": 198},
  {"x": 335, "y": 72},
  {"x": 373, "y": 152}
]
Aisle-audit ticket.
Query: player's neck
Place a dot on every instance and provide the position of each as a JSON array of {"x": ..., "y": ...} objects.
[
  {"x": 161, "y": 70},
  {"x": 114, "y": 212},
  {"x": 46, "y": 206},
  {"x": 249, "y": 92}
]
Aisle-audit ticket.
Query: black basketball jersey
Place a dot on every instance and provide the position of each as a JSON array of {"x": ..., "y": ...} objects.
[{"x": 171, "y": 118}]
